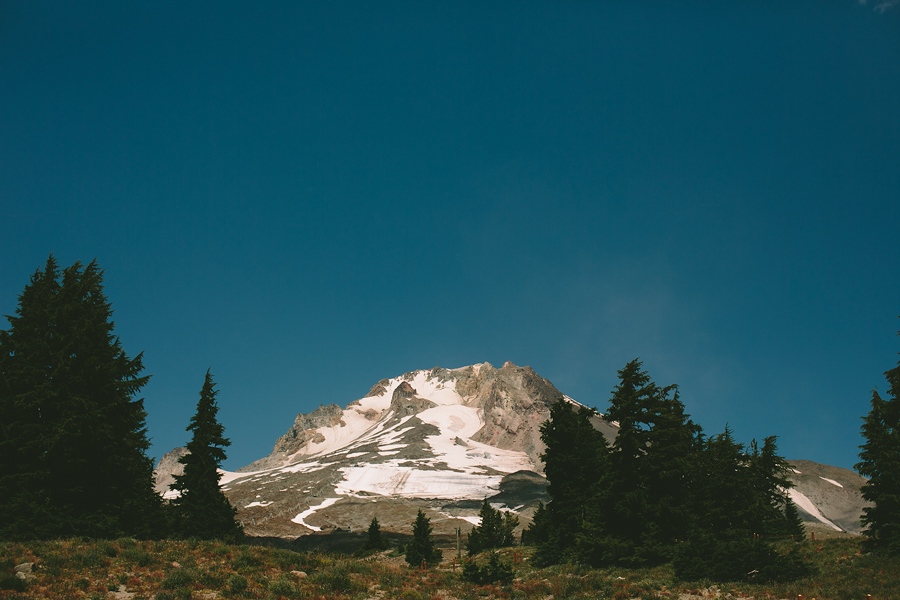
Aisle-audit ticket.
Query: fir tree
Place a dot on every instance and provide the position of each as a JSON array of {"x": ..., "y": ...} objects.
[
  {"x": 374, "y": 539},
  {"x": 421, "y": 548},
  {"x": 650, "y": 466},
  {"x": 72, "y": 436},
  {"x": 880, "y": 462},
  {"x": 575, "y": 464},
  {"x": 496, "y": 530},
  {"x": 202, "y": 509},
  {"x": 538, "y": 532},
  {"x": 740, "y": 506}
]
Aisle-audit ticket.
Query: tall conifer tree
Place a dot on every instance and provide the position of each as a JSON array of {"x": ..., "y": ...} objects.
[
  {"x": 880, "y": 462},
  {"x": 72, "y": 436},
  {"x": 202, "y": 509},
  {"x": 576, "y": 465},
  {"x": 650, "y": 465},
  {"x": 421, "y": 548}
]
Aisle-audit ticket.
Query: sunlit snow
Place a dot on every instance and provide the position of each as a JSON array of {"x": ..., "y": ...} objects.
[
  {"x": 299, "y": 519},
  {"x": 831, "y": 481},
  {"x": 807, "y": 505}
]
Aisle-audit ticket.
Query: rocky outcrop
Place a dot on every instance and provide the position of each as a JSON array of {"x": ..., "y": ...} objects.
[
  {"x": 404, "y": 401},
  {"x": 167, "y": 468},
  {"x": 301, "y": 433}
]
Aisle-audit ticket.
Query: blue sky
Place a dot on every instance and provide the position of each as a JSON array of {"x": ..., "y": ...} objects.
[{"x": 309, "y": 197}]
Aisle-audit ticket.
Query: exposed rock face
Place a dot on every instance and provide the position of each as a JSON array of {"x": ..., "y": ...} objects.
[
  {"x": 304, "y": 430},
  {"x": 167, "y": 468}
]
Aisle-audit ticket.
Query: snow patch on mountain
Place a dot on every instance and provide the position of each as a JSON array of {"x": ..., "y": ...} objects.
[
  {"x": 806, "y": 504},
  {"x": 299, "y": 519}
]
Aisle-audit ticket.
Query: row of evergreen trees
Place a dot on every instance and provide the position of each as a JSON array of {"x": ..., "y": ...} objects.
[
  {"x": 663, "y": 491},
  {"x": 73, "y": 437},
  {"x": 880, "y": 462}
]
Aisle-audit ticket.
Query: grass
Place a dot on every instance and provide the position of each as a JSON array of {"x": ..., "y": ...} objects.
[{"x": 200, "y": 570}]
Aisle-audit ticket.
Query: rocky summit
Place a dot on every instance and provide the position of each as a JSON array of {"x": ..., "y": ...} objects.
[{"x": 442, "y": 440}]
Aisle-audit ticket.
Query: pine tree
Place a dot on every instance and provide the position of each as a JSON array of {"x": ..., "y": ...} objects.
[
  {"x": 421, "y": 548},
  {"x": 72, "y": 436},
  {"x": 880, "y": 462},
  {"x": 202, "y": 509}
]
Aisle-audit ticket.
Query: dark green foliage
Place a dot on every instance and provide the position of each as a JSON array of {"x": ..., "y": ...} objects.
[
  {"x": 374, "y": 539},
  {"x": 13, "y": 583},
  {"x": 660, "y": 484},
  {"x": 745, "y": 559},
  {"x": 72, "y": 436},
  {"x": 647, "y": 502},
  {"x": 421, "y": 547},
  {"x": 178, "y": 578},
  {"x": 880, "y": 462},
  {"x": 497, "y": 530},
  {"x": 202, "y": 510},
  {"x": 539, "y": 531},
  {"x": 496, "y": 571},
  {"x": 283, "y": 588},
  {"x": 576, "y": 465},
  {"x": 237, "y": 583}
]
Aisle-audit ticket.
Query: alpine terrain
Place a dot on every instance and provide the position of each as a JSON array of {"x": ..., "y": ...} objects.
[{"x": 442, "y": 440}]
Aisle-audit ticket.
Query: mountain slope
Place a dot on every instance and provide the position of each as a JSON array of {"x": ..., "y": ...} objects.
[{"x": 443, "y": 439}]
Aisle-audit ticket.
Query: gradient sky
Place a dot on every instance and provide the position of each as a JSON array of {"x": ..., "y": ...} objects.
[{"x": 309, "y": 197}]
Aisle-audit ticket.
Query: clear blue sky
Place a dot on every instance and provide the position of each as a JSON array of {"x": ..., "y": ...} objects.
[{"x": 309, "y": 197}]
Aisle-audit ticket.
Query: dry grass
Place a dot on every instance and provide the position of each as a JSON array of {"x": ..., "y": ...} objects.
[{"x": 170, "y": 570}]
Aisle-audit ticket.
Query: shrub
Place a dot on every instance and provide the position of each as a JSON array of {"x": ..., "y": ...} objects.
[
  {"x": 737, "y": 560},
  {"x": 494, "y": 571},
  {"x": 12, "y": 583},
  {"x": 283, "y": 587},
  {"x": 245, "y": 561},
  {"x": 177, "y": 579},
  {"x": 137, "y": 556},
  {"x": 236, "y": 584}
]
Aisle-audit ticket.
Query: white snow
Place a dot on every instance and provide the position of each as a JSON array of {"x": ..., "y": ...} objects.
[
  {"x": 806, "y": 504},
  {"x": 796, "y": 471},
  {"x": 299, "y": 519},
  {"x": 252, "y": 504},
  {"x": 389, "y": 453},
  {"x": 831, "y": 481},
  {"x": 476, "y": 521},
  {"x": 229, "y": 476},
  {"x": 391, "y": 479},
  {"x": 356, "y": 454}
]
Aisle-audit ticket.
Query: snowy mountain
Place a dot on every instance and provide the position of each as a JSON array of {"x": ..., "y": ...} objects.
[{"x": 441, "y": 440}]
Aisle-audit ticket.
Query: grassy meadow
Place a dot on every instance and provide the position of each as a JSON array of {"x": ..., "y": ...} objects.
[{"x": 201, "y": 570}]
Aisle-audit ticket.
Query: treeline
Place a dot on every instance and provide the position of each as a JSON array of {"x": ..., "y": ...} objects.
[
  {"x": 662, "y": 492},
  {"x": 73, "y": 437}
]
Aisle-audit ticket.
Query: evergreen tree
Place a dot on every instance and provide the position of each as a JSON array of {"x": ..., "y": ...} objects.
[
  {"x": 202, "y": 510},
  {"x": 575, "y": 464},
  {"x": 538, "y": 533},
  {"x": 650, "y": 468},
  {"x": 880, "y": 462},
  {"x": 374, "y": 539},
  {"x": 740, "y": 505},
  {"x": 421, "y": 548},
  {"x": 496, "y": 530},
  {"x": 72, "y": 436}
]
